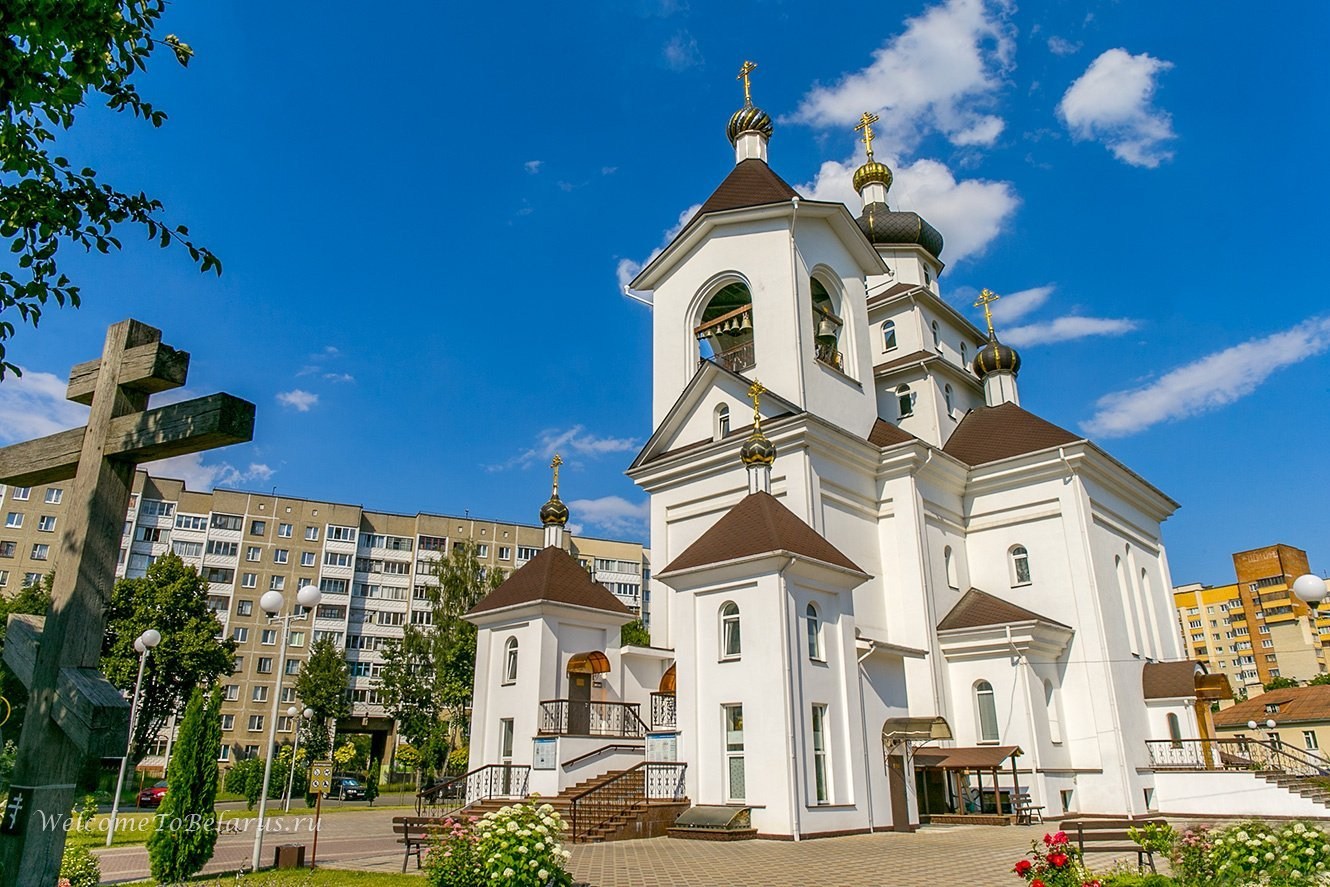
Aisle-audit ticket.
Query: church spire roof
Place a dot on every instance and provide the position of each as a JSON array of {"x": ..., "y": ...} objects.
[
  {"x": 880, "y": 224},
  {"x": 994, "y": 357}
]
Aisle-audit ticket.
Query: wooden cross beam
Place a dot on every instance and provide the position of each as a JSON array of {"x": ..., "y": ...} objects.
[{"x": 74, "y": 714}]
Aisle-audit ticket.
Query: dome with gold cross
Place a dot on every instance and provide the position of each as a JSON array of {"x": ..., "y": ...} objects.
[
  {"x": 881, "y": 224},
  {"x": 554, "y": 512},
  {"x": 994, "y": 356},
  {"x": 749, "y": 118},
  {"x": 757, "y": 450}
]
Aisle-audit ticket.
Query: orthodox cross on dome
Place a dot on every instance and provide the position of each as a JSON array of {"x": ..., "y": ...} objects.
[
  {"x": 748, "y": 68},
  {"x": 986, "y": 299},
  {"x": 555, "y": 463},
  {"x": 866, "y": 127},
  {"x": 755, "y": 391}
]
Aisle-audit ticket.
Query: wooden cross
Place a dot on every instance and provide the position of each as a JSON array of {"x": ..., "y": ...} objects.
[
  {"x": 755, "y": 392},
  {"x": 74, "y": 714},
  {"x": 555, "y": 463},
  {"x": 986, "y": 299},
  {"x": 866, "y": 127},
  {"x": 748, "y": 68}
]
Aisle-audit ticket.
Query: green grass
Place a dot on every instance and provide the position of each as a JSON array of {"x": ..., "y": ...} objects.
[
  {"x": 135, "y": 827},
  {"x": 296, "y": 878}
]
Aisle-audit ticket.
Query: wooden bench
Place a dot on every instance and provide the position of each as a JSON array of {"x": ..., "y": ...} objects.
[
  {"x": 416, "y": 833},
  {"x": 1110, "y": 836}
]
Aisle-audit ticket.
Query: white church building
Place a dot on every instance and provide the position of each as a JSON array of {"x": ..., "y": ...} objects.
[{"x": 885, "y": 590}]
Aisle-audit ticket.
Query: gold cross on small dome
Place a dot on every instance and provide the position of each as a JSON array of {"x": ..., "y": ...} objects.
[
  {"x": 986, "y": 299},
  {"x": 555, "y": 463},
  {"x": 748, "y": 68},
  {"x": 866, "y": 127},
  {"x": 755, "y": 391}
]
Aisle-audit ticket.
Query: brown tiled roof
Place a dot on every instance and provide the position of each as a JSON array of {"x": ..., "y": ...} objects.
[
  {"x": 758, "y": 525},
  {"x": 884, "y": 434},
  {"x": 1295, "y": 704},
  {"x": 1169, "y": 680},
  {"x": 905, "y": 360},
  {"x": 552, "y": 575},
  {"x": 987, "y": 434},
  {"x": 981, "y": 757},
  {"x": 978, "y": 608},
  {"x": 750, "y": 183}
]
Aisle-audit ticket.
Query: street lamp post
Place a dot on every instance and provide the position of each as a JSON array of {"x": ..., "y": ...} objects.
[
  {"x": 1311, "y": 590},
  {"x": 307, "y": 598},
  {"x": 143, "y": 643},
  {"x": 291, "y": 780}
]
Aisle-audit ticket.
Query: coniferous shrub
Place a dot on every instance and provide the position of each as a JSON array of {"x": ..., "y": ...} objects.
[{"x": 186, "y": 831}]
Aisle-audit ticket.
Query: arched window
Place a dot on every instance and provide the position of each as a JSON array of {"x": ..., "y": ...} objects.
[
  {"x": 937, "y": 338},
  {"x": 510, "y": 661},
  {"x": 905, "y": 399},
  {"x": 946, "y": 396},
  {"x": 949, "y": 561},
  {"x": 814, "y": 632},
  {"x": 722, "y": 425},
  {"x": 965, "y": 355},
  {"x": 888, "y": 335},
  {"x": 1020, "y": 565},
  {"x": 724, "y": 329},
  {"x": 1174, "y": 730},
  {"x": 1128, "y": 606},
  {"x": 729, "y": 631},
  {"x": 987, "y": 709},
  {"x": 1054, "y": 706},
  {"x": 827, "y": 325}
]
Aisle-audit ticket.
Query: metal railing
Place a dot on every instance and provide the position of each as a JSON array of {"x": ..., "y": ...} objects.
[
  {"x": 482, "y": 783},
  {"x": 635, "y": 787},
  {"x": 568, "y": 717},
  {"x": 662, "y": 711},
  {"x": 1234, "y": 754},
  {"x": 737, "y": 359}
]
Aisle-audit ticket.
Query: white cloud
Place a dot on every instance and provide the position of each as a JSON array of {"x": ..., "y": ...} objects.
[
  {"x": 1011, "y": 307},
  {"x": 1208, "y": 383},
  {"x": 575, "y": 441},
  {"x": 298, "y": 399},
  {"x": 970, "y": 213},
  {"x": 1062, "y": 46},
  {"x": 941, "y": 73},
  {"x": 627, "y": 269},
  {"x": 33, "y": 405},
  {"x": 612, "y": 514},
  {"x": 1064, "y": 329},
  {"x": 682, "y": 52},
  {"x": 532, "y": 166},
  {"x": 1113, "y": 103},
  {"x": 339, "y": 377},
  {"x": 202, "y": 477}
]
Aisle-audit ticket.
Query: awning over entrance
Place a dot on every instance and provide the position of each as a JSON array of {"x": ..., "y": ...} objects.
[
  {"x": 667, "y": 681},
  {"x": 593, "y": 662},
  {"x": 895, "y": 730},
  {"x": 982, "y": 757}
]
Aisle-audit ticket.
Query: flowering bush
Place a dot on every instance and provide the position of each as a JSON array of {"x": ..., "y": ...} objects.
[
  {"x": 1054, "y": 863},
  {"x": 1283, "y": 853},
  {"x": 516, "y": 845},
  {"x": 79, "y": 868}
]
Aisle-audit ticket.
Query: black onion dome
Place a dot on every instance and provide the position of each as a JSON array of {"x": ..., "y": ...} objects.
[
  {"x": 757, "y": 450},
  {"x": 883, "y": 225},
  {"x": 749, "y": 118},
  {"x": 554, "y": 512},
  {"x": 995, "y": 356}
]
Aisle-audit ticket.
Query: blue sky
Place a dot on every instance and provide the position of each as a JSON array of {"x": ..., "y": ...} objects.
[{"x": 424, "y": 217}]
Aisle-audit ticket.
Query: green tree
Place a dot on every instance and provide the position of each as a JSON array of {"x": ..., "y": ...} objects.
[
  {"x": 53, "y": 58},
  {"x": 245, "y": 778},
  {"x": 1319, "y": 680},
  {"x": 33, "y": 599},
  {"x": 427, "y": 677},
  {"x": 322, "y": 686},
  {"x": 635, "y": 633},
  {"x": 372, "y": 781},
  {"x": 175, "y": 854},
  {"x": 172, "y": 598},
  {"x": 1280, "y": 683}
]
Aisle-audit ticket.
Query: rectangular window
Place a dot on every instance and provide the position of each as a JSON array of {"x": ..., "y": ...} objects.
[
  {"x": 433, "y": 543},
  {"x": 191, "y": 522},
  {"x": 231, "y": 692},
  {"x": 7, "y": 549},
  {"x": 284, "y": 531},
  {"x": 733, "y": 718},
  {"x": 260, "y": 693},
  {"x": 276, "y": 583},
  {"x": 265, "y": 665},
  {"x": 268, "y": 637},
  {"x": 258, "y": 527},
  {"x": 148, "y": 534},
  {"x": 222, "y": 575},
  {"x": 40, "y": 551},
  {"x": 308, "y": 558},
  {"x": 505, "y": 552},
  {"x": 288, "y": 694},
  {"x": 506, "y": 739},
  {"x": 252, "y": 552},
  {"x": 20, "y": 494},
  {"x": 14, "y": 520},
  {"x": 281, "y": 555},
  {"x": 293, "y": 666},
  {"x": 187, "y": 549},
  {"x": 226, "y": 522},
  {"x": 54, "y": 495},
  {"x": 525, "y": 553},
  {"x": 31, "y": 579},
  {"x": 255, "y": 723},
  {"x": 337, "y": 559},
  {"x": 327, "y": 612},
  {"x": 341, "y": 534},
  {"x": 228, "y": 723},
  {"x": 333, "y": 586},
  {"x": 244, "y": 608},
  {"x": 296, "y": 639},
  {"x": 1309, "y": 740},
  {"x": 4, "y": 578},
  {"x": 388, "y": 617},
  {"x": 240, "y": 635},
  {"x": 284, "y": 723},
  {"x": 215, "y": 546},
  {"x": 249, "y": 580},
  {"x": 482, "y": 550},
  {"x": 422, "y": 617},
  {"x": 156, "y": 507},
  {"x": 820, "y": 754},
  {"x": 311, "y": 534}
]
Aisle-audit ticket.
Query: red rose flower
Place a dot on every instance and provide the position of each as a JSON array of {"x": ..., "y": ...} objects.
[
  {"x": 1023, "y": 867},
  {"x": 1060, "y": 838},
  {"x": 1057, "y": 860},
  {"x": 1036, "y": 883},
  {"x": 1048, "y": 839}
]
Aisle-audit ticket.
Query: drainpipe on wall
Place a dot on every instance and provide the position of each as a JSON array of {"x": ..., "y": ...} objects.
[{"x": 863, "y": 722}]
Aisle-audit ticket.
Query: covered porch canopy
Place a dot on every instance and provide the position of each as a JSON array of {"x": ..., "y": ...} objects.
[
  {"x": 958, "y": 763},
  {"x": 592, "y": 662}
]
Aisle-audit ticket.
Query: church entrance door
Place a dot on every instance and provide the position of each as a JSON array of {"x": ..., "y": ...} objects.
[
  {"x": 900, "y": 806},
  {"x": 579, "y": 704}
]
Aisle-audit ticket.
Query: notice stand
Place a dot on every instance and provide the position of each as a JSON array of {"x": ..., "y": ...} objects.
[{"x": 320, "y": 783}]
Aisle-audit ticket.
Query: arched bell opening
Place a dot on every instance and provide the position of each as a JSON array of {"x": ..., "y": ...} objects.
[
  {"x": 724, "y": 330},
  {"x": 827, "y": 326}
]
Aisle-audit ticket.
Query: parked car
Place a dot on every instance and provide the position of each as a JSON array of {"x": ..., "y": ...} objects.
[
  {"x": 348, "y": 788},
  {"x": 153, "y": 794}
]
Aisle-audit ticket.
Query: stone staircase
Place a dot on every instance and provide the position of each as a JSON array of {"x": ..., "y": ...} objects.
[
  {"x": 643, "y": 819},
  {"x": 1304, "y": 786}
]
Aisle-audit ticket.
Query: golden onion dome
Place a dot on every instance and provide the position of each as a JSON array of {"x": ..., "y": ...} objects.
[
  {"x": 554, "y": 512},
  {"x": 872, "y": 171},
  {"x": 749, "y": 118},
  {"x": 757, "y": 450}
]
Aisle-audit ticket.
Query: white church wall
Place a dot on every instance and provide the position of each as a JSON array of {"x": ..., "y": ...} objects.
[
  {"x": 884, "y": 696},
  {"x": 518, "y": 700},
  {"x": 905, "y": 314}
]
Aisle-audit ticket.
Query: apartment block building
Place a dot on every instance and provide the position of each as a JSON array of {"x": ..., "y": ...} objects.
[
  {"x": 1255, "y": 629},
  {"x": 374, "y": 569}
]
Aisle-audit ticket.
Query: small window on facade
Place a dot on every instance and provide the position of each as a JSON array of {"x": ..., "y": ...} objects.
[
  {"x": 814, "y": 633},
  {"x": 987, "y": 707},
  {"x": 510, "y": 661},
  {"x": 949, "y": 561},
  {"x": 888, "y": 335},
  {"x": 722, "y": 422},
  {"x": 730, "y": 647},
  {"x": 905, "y": 401},
  {"x": 946, "y": 396},
  {"x": 1020, "y": 566},
  {"x": 1054, "y": 707},
  {"x": 820, "y": 754},
  {"x": 965, "y": 355},
  {"x": 937, "y": 337},
  {"x": 1174, "y": 730}
]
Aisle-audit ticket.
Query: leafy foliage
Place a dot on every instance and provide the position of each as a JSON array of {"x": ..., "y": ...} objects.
[
  {"x": 1054, "y": 862},
  {"x": 1319, "y": 680},
  {"x": 182, "y": 849},
  {"x": 246, "y": 778},
  {"x": 79, "y": 867},
  {"x": 172, "y": 598},
  {"x": 1281, "y": 853},
  {"x": 635, "y": 633},
  {"x": 53, "y": 56},
  {"x": 321, "y": 686},
  {"x": 427, "y": 677},
  {"x": 1280, "y": 683},
  {"x": 517, "y": 845},
  {"x": 372, "y": 782}
]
